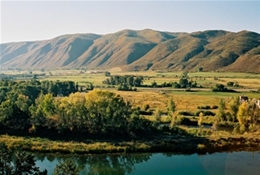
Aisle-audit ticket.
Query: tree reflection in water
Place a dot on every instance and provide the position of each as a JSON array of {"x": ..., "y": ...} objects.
[{"x": 103, "y": 164}]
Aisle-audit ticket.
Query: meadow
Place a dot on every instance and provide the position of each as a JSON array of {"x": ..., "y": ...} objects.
[
  {"x": 158, "y": 97},
  {"x": 186, "y": 100}
]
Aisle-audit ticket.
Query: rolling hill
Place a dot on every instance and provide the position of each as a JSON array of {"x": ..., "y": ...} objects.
[{"x": 131, "y": 50}]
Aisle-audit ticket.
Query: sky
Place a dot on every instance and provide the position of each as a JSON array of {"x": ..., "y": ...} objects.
[{"x": 39, "y": 20}]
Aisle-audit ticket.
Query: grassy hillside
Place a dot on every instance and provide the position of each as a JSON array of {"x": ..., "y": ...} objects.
[{"x": 214, "y": 50}]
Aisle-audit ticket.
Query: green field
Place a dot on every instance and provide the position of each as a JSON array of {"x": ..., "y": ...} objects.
[{"x": 158, "y": 97}]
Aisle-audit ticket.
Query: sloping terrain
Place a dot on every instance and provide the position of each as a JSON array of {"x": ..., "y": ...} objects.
[{"x": 214, "y": 50}]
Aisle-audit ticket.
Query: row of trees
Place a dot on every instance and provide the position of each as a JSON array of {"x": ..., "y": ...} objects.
[
  {"x": 10, "y": 89},
  {"x": 128, "y": 81},
  {"x": 245, "y": 115},
  {"x": 96, "y": 113},
  {"x": 125, "y": 83}
]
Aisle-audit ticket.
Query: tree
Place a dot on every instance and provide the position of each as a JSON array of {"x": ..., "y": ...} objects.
[
  {"x": 242, "y": 116},
  {"x": 109, "y": 113},
  {"x": 154, "y": 84},
  {"x": 72, "y": 113},
  {"x": 230, "y": 83},
  {"x": 184, "y": 82},
  {"x": 248, "y": 115},
  {"x": 107, "y": 74},
  {"x": 157, "y": 115},
  {"x": 13, "y": 117},
  {"x": 43, "y": 111},
  {"x": 171, "y": 107},
  {"x": 138, "y": 81},
  {"x": 200, "y": 69},
  {"x": 221, "y": 116},
  {"x": 146, "y": 107},
  {"x": 200, "y": 120},
  {"x": 234, "y": 105}
]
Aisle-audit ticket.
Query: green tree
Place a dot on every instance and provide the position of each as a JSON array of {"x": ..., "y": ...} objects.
[
  {"x": 200, "y": 121},
  {"x": 43, "y": 113},
  {"x": 184, "y": 80},
  {"x": 234, "y": 105},
  {"x": 221, "y": 116},
  {"x": 242, "y": 116},
  {"x": 171, "y": 107},
  {"x": 72, "y": 113},
  {"x": 109, "y": 113},
  {"x": 248, "y": 115},
  {"x": 13, "y": 117},
  {"x": 107, "y": 74},
  {"x": 157, "y": 116}
]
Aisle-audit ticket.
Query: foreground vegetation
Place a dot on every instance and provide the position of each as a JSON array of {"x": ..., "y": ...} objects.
[{"x": 68, "y": 117}]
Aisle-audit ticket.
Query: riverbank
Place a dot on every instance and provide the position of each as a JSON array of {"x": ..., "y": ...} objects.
[{"x": 176, "y": 144}]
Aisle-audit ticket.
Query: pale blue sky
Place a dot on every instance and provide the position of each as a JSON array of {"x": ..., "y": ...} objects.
[{"x": 37, "y": 20}]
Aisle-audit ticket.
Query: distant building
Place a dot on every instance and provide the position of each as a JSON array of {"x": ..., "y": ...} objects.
[{"x": 243, "y": 99}]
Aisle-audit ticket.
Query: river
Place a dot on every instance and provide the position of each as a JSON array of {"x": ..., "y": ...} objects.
[{"x": 228, "y": 163}]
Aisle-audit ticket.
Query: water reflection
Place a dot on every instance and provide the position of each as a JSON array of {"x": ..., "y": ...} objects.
[
  {"x": 96, "y": 164},
  {"x": 237, "y": 163}
]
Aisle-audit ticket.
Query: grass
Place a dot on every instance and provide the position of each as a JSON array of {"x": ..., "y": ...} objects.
[
  {"x": 206, "y": 79},
  {"x": 203, "y": 140},
  {"x": 49, "y": 146},
  {"x": 188, "y": 101},
  {"x": 185, "y": 101}
]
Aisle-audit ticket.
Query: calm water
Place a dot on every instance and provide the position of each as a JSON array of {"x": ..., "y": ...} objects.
[{"x": 235, "y": 163}]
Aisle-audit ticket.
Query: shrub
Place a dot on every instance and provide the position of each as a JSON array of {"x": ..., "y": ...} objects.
[
  {"x": 230, "y": 83},
  {"x": 205, "y": 113},
  {"x": 146, "y": 107},
  {"x": 186, "y": 113},
  {"x": 214, "y": 107},
  {"x": 204, "y": 107},
  {"x": 185, "y": 121}
]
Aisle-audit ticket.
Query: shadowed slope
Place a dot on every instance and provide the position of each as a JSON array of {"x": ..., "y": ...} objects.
[
  {"x": 139, "y": 50},
  {"x": 54, "y": 53}
]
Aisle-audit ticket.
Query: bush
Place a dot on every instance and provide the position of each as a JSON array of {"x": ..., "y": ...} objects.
[
  {"x": 146, "y": 107},
  {"x": 186, "y": 113},
  {"x": 185, "y": 121},
  {"x": 214, "y": 107},
  {"x": 221, "y": 88},
  {"x": 205, "y": 113},
  {"x": 204, "y": 107},
  {"x": 230, "y": 83}
]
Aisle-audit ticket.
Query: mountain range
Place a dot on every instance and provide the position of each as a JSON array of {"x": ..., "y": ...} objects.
[{"x": 139, "y": 50}]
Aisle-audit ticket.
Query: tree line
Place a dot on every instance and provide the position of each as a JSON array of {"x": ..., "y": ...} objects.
[
  {"x": 127, "y": 82},
  {"x": 33, "y": 107},
  {"x": 245, "y": 115}
]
